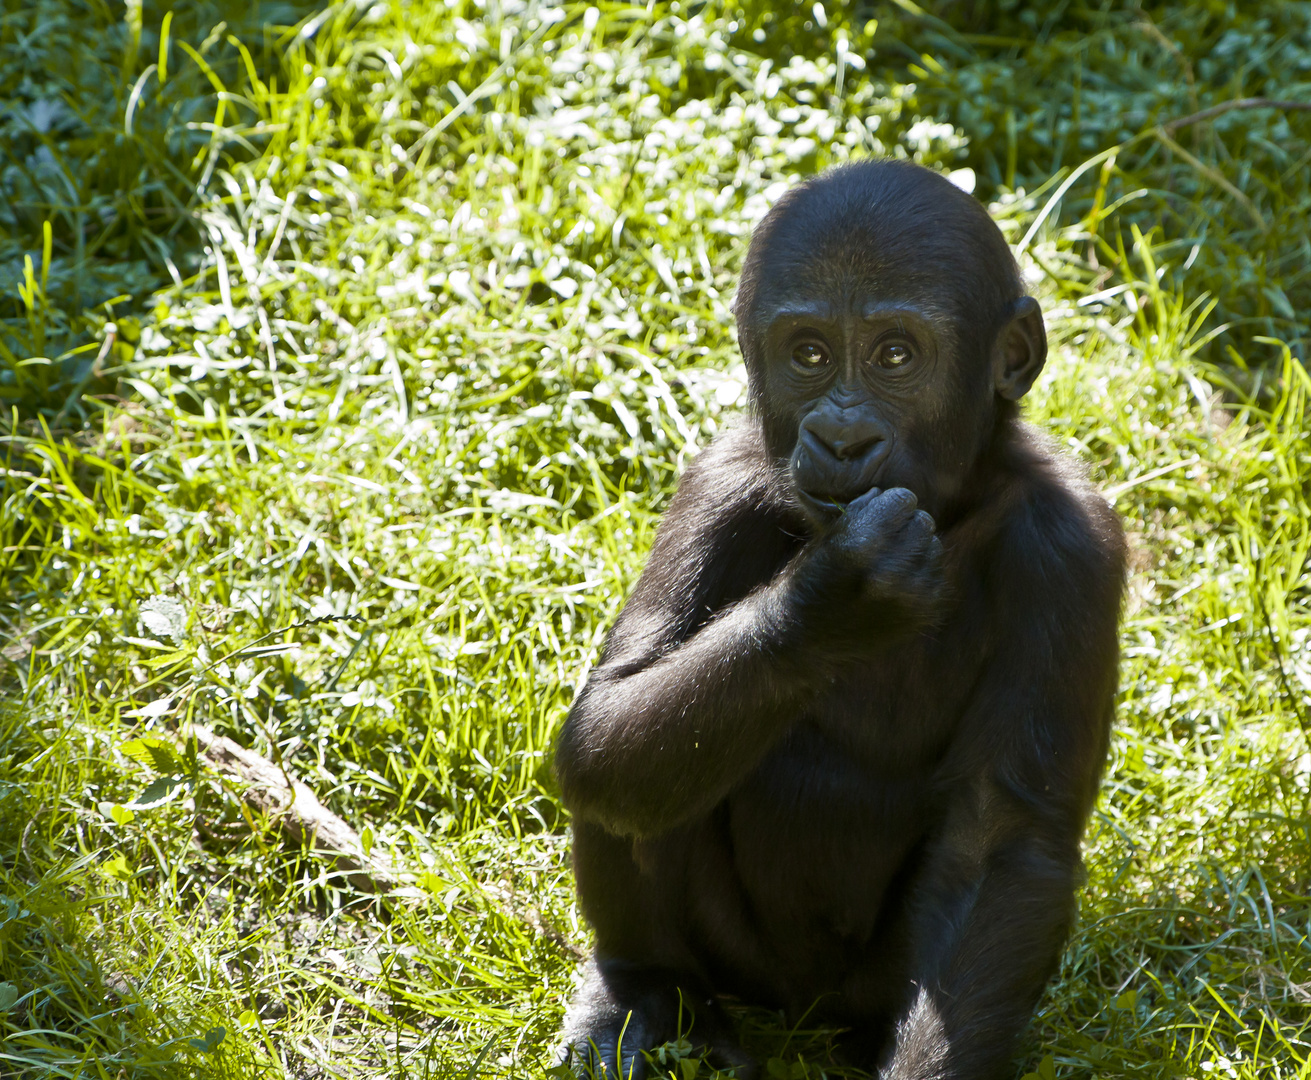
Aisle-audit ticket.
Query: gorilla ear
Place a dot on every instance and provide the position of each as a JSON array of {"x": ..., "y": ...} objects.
[{"x": 1020, "y": 350}]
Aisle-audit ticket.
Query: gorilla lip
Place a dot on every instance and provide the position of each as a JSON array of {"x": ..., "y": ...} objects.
[
  {"x": 826, "y": 483},
  {"x": 833, "y": 505},
  {"x": 825, "y": 504}
]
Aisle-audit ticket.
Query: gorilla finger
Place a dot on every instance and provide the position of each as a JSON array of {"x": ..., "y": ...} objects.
[
  {"x": 589, "y": 1061},
  {"x": 933, "y": 559},
  {"x": 917, "y": 530},
  {"x": 894, "y": 506},
  {"x": 593, "y": 1063},
  {"x": 929, "y": 550},
  {"x": 633, "y": 1066},
  {"x": 608, "y": 1055},
  {"x": 864, "y": 499},
  {"x": 880, "y": 520}
]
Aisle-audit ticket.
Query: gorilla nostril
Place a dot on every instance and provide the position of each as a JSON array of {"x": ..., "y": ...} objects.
[
  {"x": 842, "y": 436},
  {"x": 846, "y": 441},
  {"x": 853, "y": 444}
]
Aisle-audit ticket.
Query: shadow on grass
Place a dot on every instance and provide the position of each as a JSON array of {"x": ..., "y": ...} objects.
[{"x": 111, "y": 125}]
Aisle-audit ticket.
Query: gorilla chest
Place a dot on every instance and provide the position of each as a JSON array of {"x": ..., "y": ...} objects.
[{"x": 825, "y": 831}]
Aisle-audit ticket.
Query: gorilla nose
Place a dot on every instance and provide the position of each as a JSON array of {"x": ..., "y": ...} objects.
[{"x": 844, "y": 436}]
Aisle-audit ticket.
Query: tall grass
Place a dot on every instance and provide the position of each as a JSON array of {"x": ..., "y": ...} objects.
[
  {"x": 1043, "y": 87},
  {"x": 110, "y": 129}
]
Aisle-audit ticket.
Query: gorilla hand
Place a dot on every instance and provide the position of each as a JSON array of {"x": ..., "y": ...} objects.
[{"x": 882, "y": 558}]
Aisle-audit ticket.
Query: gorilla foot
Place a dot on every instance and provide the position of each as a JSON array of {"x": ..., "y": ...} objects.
[
  {"x": 616, "y": 1015},
  {"x": 619, "y": 1017}
]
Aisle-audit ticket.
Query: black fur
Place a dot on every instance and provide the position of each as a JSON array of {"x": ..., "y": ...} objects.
[{"x": 842, "y": 742}]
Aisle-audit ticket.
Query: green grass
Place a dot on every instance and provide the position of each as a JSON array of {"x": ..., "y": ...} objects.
[
  {"x": 397, "y": 444},
  {"x": 107, "y": 124},
  {"x": 1044, "y": 87}
]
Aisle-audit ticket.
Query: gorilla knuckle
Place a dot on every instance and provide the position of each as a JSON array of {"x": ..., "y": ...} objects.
[
  {"x": 899, "y": 501},
  {"x": 885, "y": 514},
  {"x": 598, "y": 1058}
]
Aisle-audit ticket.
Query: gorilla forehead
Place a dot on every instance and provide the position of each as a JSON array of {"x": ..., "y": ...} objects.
[{"x": 879, "y": 228}]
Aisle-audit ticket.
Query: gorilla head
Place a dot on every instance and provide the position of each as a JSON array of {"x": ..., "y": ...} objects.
[{"x": 885, "y": 329}]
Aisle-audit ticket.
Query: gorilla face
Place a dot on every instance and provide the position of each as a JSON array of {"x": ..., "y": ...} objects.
[
  {"x": 881, "y": 346},
  {"x": 869, "y": 389},
  {"x": 855, "y": 388}
]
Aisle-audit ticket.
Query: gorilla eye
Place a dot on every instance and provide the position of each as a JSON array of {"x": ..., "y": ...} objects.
[
  {"x": 810, "y": 355},
  {"x": 893, "y": 354}
]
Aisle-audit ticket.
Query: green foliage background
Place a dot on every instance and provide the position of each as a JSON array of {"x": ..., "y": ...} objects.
[{"x": 348, "y": 378}]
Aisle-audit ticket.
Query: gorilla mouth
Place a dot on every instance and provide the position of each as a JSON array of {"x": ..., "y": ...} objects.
[
  {"x": 828, "y": 505},
  {"x": 824, "y": 483}
]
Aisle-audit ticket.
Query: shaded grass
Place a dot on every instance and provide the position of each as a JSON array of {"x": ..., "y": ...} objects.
[
  {"x": 397, "y": 449},
  {"x": 108, "y": 126},
  {"x": 1040, "y": 88}
]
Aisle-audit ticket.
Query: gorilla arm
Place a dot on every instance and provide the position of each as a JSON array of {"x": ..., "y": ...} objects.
[
  {"x": 694, "y": 683},
  {"x": 731, "y": 629}
]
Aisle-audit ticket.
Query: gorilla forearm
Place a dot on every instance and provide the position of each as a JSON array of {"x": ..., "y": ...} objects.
[
  {"x": 973, "y": 1003},
  {"x": 660, "y": 738}
]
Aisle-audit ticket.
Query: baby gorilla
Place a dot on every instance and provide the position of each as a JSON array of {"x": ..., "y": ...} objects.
[{"x": 841, "y": 744}]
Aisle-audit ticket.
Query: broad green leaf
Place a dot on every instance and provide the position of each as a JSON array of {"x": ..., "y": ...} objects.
[
  {"x": 117, "y": 868},
  {"x": 210, "y": 1041},
  {"x": 151, "y": 750},
  {"x": 161, "y": 791},
  {"x": 118, "y": 814}
]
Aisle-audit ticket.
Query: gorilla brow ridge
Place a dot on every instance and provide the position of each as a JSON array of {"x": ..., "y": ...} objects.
[{"x": 844, "y": 216}]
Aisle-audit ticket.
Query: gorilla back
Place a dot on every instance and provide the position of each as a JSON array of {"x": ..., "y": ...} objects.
[{"x": 841, "y": 744}]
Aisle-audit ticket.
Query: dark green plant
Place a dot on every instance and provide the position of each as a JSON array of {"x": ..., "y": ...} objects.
[
  {"x": 110, "y": 130},
  {"x": 1039, "y": 89}
]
